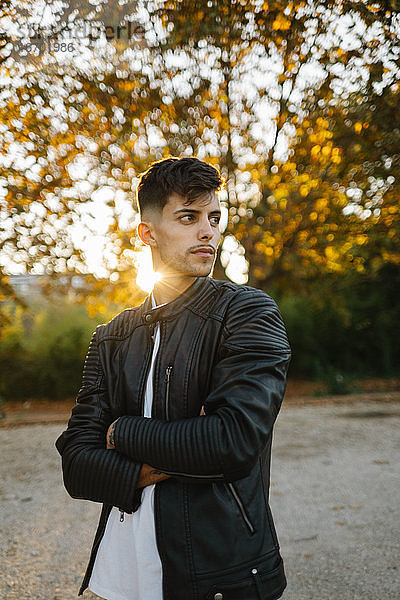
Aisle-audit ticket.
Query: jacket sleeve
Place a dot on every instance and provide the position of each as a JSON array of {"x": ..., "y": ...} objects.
[
  {"x": 90, "y": 470},
  {"x": 247, "y": 387}
]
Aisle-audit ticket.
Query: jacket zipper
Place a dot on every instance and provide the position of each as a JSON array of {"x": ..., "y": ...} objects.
[
  {"x": 241, "y": 507},
  {"x": 167, "y": 377},
  {"x": 212, "y": 476}
]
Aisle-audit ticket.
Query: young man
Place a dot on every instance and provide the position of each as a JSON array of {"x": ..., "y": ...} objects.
[{"x": 173, "y": 423}]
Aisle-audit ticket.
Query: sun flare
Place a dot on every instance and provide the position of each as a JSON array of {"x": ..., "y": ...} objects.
[{"x": 146, "y": 277}]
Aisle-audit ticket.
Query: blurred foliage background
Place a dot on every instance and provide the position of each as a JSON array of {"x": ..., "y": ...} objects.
[{"x": 298, "y": 105}]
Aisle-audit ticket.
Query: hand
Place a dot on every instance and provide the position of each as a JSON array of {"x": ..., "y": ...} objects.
[
  {"x": 110, "y": 436},
  {"x": 149, "y": 475}
]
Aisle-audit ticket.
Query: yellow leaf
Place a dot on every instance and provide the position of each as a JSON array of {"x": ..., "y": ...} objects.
[
  {"x": 304, "y": 189},
  {"x": 320, "y": 204}
]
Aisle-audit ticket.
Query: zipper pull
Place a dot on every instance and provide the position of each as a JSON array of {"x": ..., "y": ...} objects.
[
  {"x": 121, "y": 516},
  {"x": 168, "y": 373},
  {"x": 167, "y": 376}
]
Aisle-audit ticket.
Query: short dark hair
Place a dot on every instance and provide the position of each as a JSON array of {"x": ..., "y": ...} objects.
[{"x": 187, "y": 176}]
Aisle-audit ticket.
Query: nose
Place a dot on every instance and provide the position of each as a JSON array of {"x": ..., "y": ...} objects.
[{"x": 206, "y": 231}]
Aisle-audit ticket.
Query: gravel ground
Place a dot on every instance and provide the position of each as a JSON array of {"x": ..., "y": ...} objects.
[{"x": 334, "y": 495}]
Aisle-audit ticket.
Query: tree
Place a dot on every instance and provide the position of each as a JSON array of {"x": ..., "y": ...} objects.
[
  {"x": 246, "y": 98},
  {"x": 66, "y": 135},
  {"x": 253, "y": 87}
]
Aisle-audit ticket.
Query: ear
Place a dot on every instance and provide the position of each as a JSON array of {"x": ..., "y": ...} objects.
[{"x": 145, "y": 232}]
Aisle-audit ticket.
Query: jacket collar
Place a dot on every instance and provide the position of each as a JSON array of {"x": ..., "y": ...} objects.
[{"x": 171, "y": 309}]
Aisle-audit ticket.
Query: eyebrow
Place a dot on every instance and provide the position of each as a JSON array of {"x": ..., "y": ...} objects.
[{"x": 195, "y": 211}]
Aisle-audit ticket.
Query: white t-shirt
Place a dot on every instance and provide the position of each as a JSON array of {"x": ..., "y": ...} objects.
[{"x": 127, "y": 565}]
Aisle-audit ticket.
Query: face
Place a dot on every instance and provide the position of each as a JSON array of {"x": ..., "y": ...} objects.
[{"x": 184, "y": 237}]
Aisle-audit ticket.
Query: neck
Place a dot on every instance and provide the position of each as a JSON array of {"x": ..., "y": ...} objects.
[{"x": 169, "y": 288}]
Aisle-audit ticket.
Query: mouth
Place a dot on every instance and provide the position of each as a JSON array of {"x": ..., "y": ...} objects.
[{"x": 206, "y": 251}]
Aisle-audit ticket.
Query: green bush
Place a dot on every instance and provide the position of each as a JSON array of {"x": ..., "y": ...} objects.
[
  {"x": 43, "y": 350},
  {"x": 346, "y": 329}
]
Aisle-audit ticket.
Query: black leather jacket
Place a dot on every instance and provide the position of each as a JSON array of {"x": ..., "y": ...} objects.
[{"x": 223, "y": 346}]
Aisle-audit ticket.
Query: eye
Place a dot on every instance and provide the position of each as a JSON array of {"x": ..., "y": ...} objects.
[
  {"x": 214, "y": 220},
  {"x": 186, "y": 218}
]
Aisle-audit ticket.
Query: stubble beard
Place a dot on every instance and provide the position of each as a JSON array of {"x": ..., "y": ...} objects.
[{"x": 178, "y": 265}]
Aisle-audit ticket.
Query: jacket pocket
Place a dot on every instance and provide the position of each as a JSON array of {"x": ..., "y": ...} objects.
[
  {"x": 239, "y": 503},
  {"x": 255, "y": 584}
]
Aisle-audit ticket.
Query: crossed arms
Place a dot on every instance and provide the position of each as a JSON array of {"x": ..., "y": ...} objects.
[
  {"x": 147, "y": 475},
  {"x": 247, "y": 387}
]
